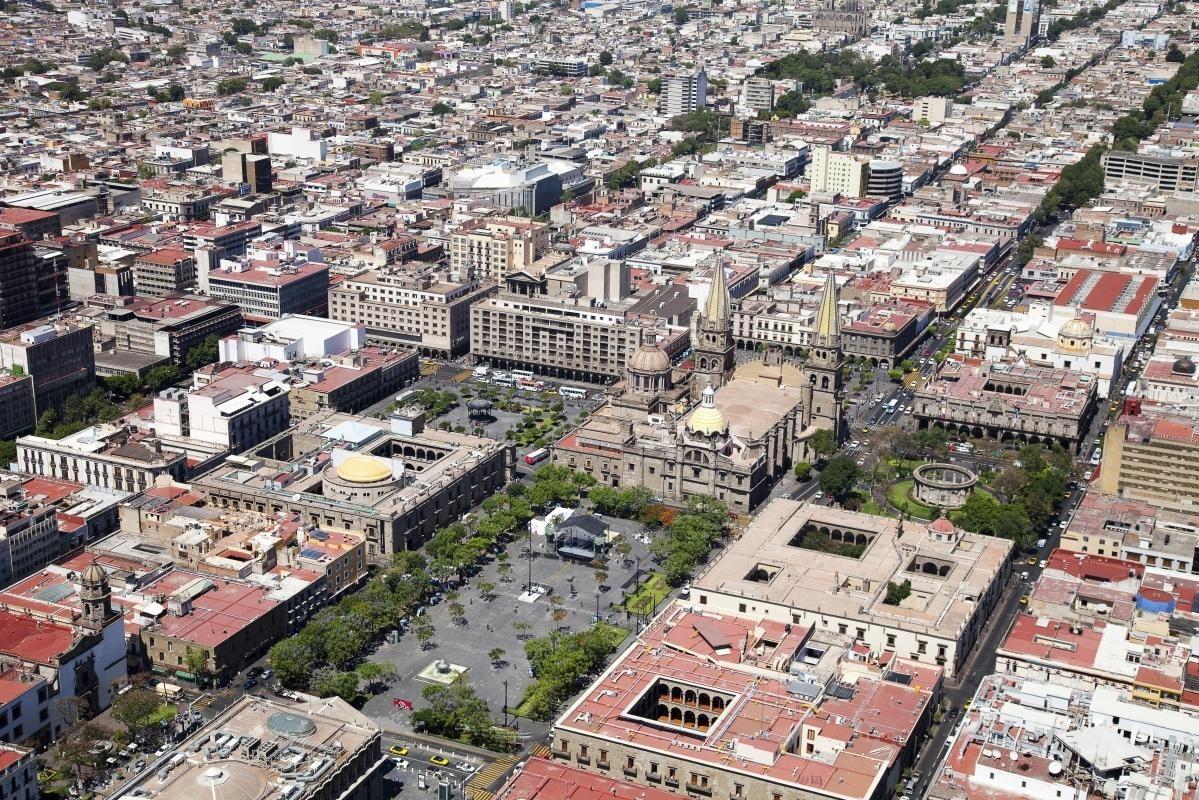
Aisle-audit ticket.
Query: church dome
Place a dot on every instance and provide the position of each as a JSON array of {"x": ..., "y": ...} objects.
[
  {"x": 1077, "y": 328},
  {"x": 94, "y": 573},
  {"x": 942, "y": 525},
  {"x": 649, "y": 358},
  {"x": 706, "y": 419},
  {"x": 363, "y": 469}
]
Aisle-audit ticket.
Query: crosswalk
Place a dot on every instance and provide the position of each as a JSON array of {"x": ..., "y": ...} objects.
[
  {"x": 540, "y": 751},
  {"x": 480, "y": 784},
  {"x": 203, "y": 702}
]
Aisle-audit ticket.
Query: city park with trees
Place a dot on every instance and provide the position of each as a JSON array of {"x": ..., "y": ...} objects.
[{"x": 329, "y": 655}]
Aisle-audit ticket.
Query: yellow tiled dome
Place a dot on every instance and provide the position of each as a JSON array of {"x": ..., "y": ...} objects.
[
  {"x": 706, "y": 419},
  {"x": 363, "y": 469}
]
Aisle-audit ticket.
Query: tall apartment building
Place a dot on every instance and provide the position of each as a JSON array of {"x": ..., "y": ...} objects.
[
  {"x": 29, "y": 537},
  {"x": 233, "y": 410},
  {"x": 559, "y": 336},
  {"x": 1020, "y": 25},
  {"x": 162, "y": 272},
  {"x": 837, "y": 173},
  {"x": 269, "y": 289},
  {"x": 168, "y": 327},
  {"x": 1165, "y": 171},
  {"x": 252, "y": 169},
  {"x": 1151, "y": 456},
  {"x": 58, "y": 357},
  {"x": 16, "y": 405},
  {"x": 683, "y": 93},
  {"x": 422, "y": 311},
  {"x": 18, "y": 280},
  {"x": 759, "y": 94},
  {"x": 491, "y": 248}
]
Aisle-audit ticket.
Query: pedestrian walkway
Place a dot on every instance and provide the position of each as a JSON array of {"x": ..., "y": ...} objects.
[
  {"x": 486, "y": 778},
  {"x": 540, "y": 751}
]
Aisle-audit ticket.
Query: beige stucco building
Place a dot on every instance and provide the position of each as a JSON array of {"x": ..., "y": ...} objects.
[
  {"x": 829, "y": 569},
  {"x": 424, "y": 311},
  {"x": 491, "y": 248},
  {"x": 1149, "y": 455}
]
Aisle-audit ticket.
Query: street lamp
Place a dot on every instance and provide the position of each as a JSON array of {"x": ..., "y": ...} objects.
[{"x": 505, "y": 702}]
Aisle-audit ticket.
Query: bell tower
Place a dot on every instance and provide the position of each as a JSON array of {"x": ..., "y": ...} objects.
[
  {"x": 713, "y": 353},
  {"x": 824, "y": 364},
  {"x": 95, "y": 597}
]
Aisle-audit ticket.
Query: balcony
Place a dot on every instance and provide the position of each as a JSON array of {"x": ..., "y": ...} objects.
[{"x": 695, "y": 788}]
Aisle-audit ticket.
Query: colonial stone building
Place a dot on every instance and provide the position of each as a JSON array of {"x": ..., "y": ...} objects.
[
  {"x": 751, "y": 423},
  {"x": 1009, "y": 401}
]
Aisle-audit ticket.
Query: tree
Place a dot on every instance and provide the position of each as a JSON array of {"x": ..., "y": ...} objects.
[
  {"x": 1048, "y": 62},
  {"x": 161, "y": 377},
  {"x": 135, "y": 708},
  {"x": 75, "y": 749},
  {"x": 343, "y": 641},
  {"x": 373, "y": 673},
  {"x": 1174, "y": 55},
  {"x": 294, "y": 659},
  {"x": 272, "y": 84},
  {"x": 803, "y": 471},
  {"x": 1028, "y": 246},
  {"x": 176, "y": 51},
  {"x": 823, "y": 443},
  {"x": 454, "y": 711},
  {"x": 440, "y": 109},
  {"x": 231, "y": 86},
  {"x": 838, "y": 477},
  {"x": 207, "y": 352},
  {"x": 605, "y": 58},
  {"x": 328, "y": 682},
  {"x": 424, "y": 633},
  {"x": 496, "y": 656},
  {"x": 375, "y": 98},
  {"x": 196, "y": 662},
  {"x": 897, "y": 592},
  {"x": 681, "y": 15}
]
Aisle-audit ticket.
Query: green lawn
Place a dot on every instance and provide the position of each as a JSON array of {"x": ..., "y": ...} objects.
[
  {"x": 653, "y": 590},
  {"x": 899, "y": 496}
]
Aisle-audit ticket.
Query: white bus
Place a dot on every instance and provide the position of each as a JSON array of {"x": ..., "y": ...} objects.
[
  {"x": 503, "y": 380},
  {"x": 522, "y": 373},
  {"x": 572, "y": 393},
  {"x": 892, "y": 404}
]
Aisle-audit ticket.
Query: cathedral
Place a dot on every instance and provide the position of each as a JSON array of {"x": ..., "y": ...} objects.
[{"x": 721, "y": 430}]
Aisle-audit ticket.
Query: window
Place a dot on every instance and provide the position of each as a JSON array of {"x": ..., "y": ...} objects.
[
  {"x": 741, "y": 607},
  {"x": 921, "y": 646},
  {"x": 842, "y": 628}
]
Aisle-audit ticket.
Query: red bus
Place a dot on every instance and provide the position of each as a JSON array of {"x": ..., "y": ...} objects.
[{"x": 540, "y": 454}]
